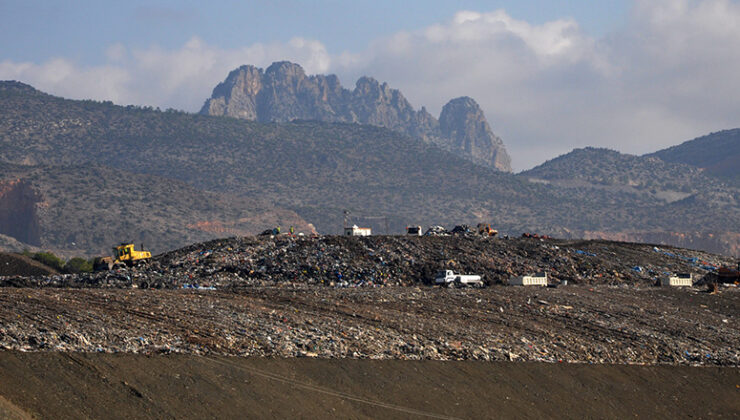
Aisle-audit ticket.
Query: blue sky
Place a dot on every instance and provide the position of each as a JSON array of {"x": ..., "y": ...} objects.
[
  {"x": 82, "y": 30},
  {"x": 634, "y": 76}
]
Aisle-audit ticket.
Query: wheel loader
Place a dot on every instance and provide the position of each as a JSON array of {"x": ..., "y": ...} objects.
[{"x": 124, "y": 255}]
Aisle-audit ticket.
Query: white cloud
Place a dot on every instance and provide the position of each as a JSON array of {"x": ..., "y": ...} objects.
[
  {"x": 668, "y": 74},
  {"x": 182, "y": 78}
]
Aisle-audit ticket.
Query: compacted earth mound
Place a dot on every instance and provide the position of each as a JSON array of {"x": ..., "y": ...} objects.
[
  {"x": 21, "y": 265},
  {"x": 75, "y": 386}
]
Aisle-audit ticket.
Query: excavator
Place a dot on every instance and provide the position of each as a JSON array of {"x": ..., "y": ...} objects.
[{"x": 124, "y": 255}]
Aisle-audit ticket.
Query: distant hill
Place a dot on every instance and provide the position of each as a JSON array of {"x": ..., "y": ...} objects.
[
  {"x": 717, "y": 153},
  {"x": 84, "y": 210},
  {"x": 317, "y": 170},
  {"x": 284, "y": 92},
  {"x": 604, "y": 168},
  {"x": 691, "y": 199}
]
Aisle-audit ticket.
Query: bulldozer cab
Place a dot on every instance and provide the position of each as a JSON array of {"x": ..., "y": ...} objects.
[{"x": 128, "y": 254}]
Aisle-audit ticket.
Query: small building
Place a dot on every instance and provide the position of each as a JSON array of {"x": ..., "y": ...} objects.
[
  {"x": 537, "y": 279},
  {"x": 357, "y": 231},
  {"x": 413, "y": 230},
  {"x": 678, "y": 280}
]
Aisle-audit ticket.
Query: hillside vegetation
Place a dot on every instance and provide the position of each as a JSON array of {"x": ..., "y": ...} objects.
[
  {"x": 606, "y": 168},
  {"x": 86, "y": 209},
  {"x": 319, "y": 169},
  {"x": 717, "y": 153}
]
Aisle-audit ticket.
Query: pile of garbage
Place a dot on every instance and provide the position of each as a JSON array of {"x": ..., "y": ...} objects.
[
  {"x": 437, "y": 231},
  {"x": 381, "y": 261},
  {"x": 594, "y": 324}
]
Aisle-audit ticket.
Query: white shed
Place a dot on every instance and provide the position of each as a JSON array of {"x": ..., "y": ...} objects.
[
  {"x": 357, "y": 231},
  {"x": 678, "y": 280},
  {"x": 537, "y": 279}
]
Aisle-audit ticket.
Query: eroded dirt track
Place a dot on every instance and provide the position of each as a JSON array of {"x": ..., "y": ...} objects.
[{"x": 598, "y": 324}]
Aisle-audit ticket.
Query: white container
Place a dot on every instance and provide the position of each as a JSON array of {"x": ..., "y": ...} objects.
[
  {"x": 538, "y": 279},
  {"x": 678, "y": 280}
]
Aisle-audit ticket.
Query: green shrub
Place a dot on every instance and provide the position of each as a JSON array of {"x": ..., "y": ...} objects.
[
  {"x": 78, "y": 265},
  {"x": 49, "y": 259}
]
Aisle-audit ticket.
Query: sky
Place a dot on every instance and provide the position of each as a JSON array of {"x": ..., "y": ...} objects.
[{"x": 631, "y": 75}]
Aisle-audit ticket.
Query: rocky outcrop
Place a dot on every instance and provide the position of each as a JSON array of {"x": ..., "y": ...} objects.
[
  {"x": 284, "y": 92},
  {"x": 462, "y": 121},
  {"x": 18, "y": 218}
]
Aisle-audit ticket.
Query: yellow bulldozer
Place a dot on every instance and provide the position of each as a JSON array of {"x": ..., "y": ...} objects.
[
  {"x": 124, "y": 255},
  {"x": 485, "y": 229}
]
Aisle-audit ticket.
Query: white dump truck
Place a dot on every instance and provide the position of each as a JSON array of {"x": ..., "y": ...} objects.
[{"x": 449, "y": 278}]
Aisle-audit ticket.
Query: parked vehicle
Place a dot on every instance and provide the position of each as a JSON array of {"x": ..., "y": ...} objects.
[{"x": 449, "y": 278}]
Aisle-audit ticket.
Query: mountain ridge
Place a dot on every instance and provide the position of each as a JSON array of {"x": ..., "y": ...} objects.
[
  {"x": 319, "y": 169},
  {"x": 283, "y": 92},
  {"x": 718, "y": 154}
]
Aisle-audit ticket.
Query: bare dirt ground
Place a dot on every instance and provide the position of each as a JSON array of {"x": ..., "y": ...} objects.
[{"x": 75, "y": 386}]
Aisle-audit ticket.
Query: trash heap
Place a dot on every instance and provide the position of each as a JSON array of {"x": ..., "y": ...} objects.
[
  {"x": 592, "y": 324},
  {"x": 379, "y": 261}
]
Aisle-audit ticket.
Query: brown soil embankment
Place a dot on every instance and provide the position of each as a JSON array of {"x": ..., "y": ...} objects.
[
  {"x": 69, "y": 385},
  {"x": 21, "y": 265}
]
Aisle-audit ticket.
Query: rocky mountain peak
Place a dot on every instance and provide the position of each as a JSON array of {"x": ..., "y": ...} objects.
[
  {"x": 236, "y": 96},
  {"x": 463, "y": 122},
  {"x": 284, "y": 92},
  {"x": 285, "y": 70}
]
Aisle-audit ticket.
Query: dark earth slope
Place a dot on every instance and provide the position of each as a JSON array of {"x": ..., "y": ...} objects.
[
  {"x": 73, "y": 386},
  {"x": 21, "y": 265}
]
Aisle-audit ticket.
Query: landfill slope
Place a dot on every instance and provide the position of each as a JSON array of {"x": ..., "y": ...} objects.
[
  {"x": 234, "y": 263},
  {"x": 583, "y": 324},
  {"x": 283, "y": 327},
  {"x": 10, "y": 411},
  {"x": 73, "y": 386}
]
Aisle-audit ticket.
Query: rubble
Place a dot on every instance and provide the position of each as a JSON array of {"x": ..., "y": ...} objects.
[
  {"x": 437, "y": 231},
  {"x": 593, "y": 324}
]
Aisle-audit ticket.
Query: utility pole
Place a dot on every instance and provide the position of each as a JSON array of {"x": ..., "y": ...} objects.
[{"x": 346, "y": 219}]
